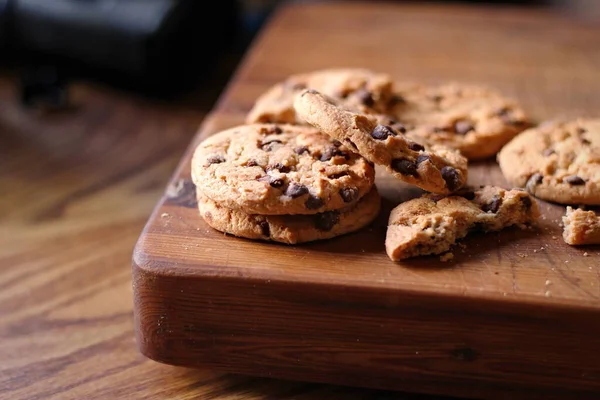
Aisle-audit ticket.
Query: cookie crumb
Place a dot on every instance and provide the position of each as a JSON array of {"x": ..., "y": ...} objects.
[
  {"x": 164, "y": 215},
  {"x": 535, "y": 250},
  {"x": 446, "y": 257},
  {"x": 522, "y": 255},
  {"x": 547, "y": 293},
  {"x": 548, "y": 282},
  {"x": 586, "y": 255},
  {"x": 554, "y": 237},
  {"x": 566, "y": 261}
]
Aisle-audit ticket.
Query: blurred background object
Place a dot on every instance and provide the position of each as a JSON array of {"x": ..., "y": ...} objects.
[{"x": 157, "y": 47}]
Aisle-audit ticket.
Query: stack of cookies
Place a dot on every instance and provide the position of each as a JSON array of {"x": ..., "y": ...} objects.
[
  {"x": 302, "y": 166},
  {"x": 285, "y": 183}
]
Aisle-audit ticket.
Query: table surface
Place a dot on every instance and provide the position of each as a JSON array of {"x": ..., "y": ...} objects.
[{"x": 78, "y": 187}]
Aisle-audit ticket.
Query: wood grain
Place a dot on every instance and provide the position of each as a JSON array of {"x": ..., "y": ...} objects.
[
  {"x": 76, "y": 190},
  {"x": 515, "y": 314}
]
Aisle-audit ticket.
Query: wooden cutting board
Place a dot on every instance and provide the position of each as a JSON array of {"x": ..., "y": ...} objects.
[{"x": 515, "y": 313}]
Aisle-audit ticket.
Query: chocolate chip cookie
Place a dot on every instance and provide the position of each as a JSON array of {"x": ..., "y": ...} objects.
[
  {"x": 556, "y": 161},
  {"x": 433, "y": 223},
  {"x": 291, "y": 229},
  {"x": 434, "y": 168},
  {"x": 476, "y": 120},
  {"x": 361, "y": 89},
  {"x": 581, "y": 227},
  {"x": 279, "y": 169}
]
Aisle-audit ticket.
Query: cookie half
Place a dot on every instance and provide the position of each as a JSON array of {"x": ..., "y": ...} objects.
[
  {"x": 279, "y": 169},
  {"x": 361, "y": 89},
  {"x": 434, "y": 168},
  {"x": 291, "y": 229},
  {"x": 556, "y": 161},
  {"x": 581, "y": 227},
  {"x": 475, "y": 120},
  {"x": 432, "y": 224}
]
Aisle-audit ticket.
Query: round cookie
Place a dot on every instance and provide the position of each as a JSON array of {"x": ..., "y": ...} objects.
[
  {"x": 434, "y": 168},
  {"x": 361, "y": 89},
  {"x": 475, "y": 120},
  {"x": 291, "y": 229},
  {"x": 279, "y": 169},
  {"x": 556, "y": 161}
]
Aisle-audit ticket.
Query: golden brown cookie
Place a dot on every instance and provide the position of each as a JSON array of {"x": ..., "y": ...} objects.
[
  {"x": 291, "y": 229},
  {"x": 556, "y": 161},
  {"x": 362, "y": 89},
  {"x": 434, "y": 168},
  {"x": 279, "y": 169},
  {"x": 475, "y": 120},
  {"x": 432, "y": 224}
]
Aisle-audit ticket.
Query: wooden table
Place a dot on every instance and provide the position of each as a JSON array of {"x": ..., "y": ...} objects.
[{"x": 79, "y": 186}]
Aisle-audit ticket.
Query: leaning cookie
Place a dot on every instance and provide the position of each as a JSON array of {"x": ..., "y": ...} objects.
[
  {"x": 361, "y": 89},
  {"x": 434, "y": 168},
  {"x": 581, "y": 227},
  {"x": 279, "y": 169},
  {"x": 291, "y": 229},
  {"x": 475, "y": 120},
  {"x": 433, "y": 223},
  {"x": 556, "y": 161}
]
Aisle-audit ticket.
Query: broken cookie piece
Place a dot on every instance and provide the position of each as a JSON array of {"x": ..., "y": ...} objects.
[
  {"x": 432, "y": 224},
  {"x": 581, "y": 227}
]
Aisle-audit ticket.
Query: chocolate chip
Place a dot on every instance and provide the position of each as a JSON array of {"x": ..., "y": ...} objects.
[
  {"x": 298, "y": 86},
  {"x": 276, "y": 182},
  {"x": 301, "y": 150},
  {"x": 575, "y": 180},
  {"x": 332, "y": 152},
  {"x": 327, "y": 220},
  {"x": 548, "y": 152},
  {"x": 399, "y": 127},
  {"x": 313, "y": 202},
  {"x": 215, "y": 159},
  {"x": 381, "y": 132},
  {"x": 349, "y": 194},
  {"x": 365, "y": 97},
  {"x": 396, "y": 99},
  {"x": 275, "y": 130},
  {"x": 526, "y": 200},
  {"x": 493, "y": 206},
  {"x": 338, "y": 175},
  {"x": 505, "y": 115},
  {"x": 438, "y": 129},
  {"x": 585, "y": 141},
  {"x": 533, "y": 181},
  {"x": 452, "y": 178},
  {"x": 404, "y": 166},
  {"x": 264, "y": 228},
  {"x": 581, "y": 130},
  {"x": 415, "y": 146},
  {"x": 268, "y": 145},
  {"x": 436, "y": 98},
  {"x": 463, "y": 127},
  {"x": 251, "y": 163},
  {"x": 423, "y": 158},
  {"x": 469, "y": 195},
  {"x": 296, "y": 190},
  {"x": 337, "y": 143},
  {"x": 279, "y": 166}
]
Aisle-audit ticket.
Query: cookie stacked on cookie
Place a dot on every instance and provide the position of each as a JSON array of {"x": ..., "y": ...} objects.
[{"x": 283, "y": 183}]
